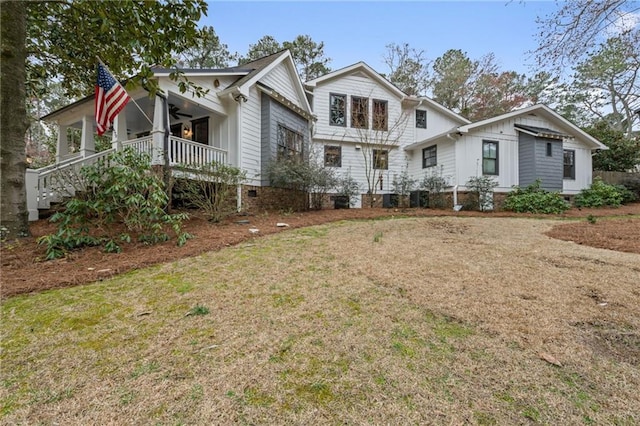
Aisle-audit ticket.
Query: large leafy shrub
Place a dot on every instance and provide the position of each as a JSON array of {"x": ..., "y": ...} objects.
[
  {"x": 534, "y": 199},
  {"x": 121, "y": 199},
  {"x": 600, "y": 194}
]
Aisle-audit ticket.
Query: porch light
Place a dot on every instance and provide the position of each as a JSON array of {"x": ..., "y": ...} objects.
[{"x": 186, "y": 133}]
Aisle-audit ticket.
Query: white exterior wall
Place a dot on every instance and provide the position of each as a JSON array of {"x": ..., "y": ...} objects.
[
  {"x": 446, "y": 167},
  {"x": 251, "y": 132},
  {"x": 469, "y": 154},
  {"x": 437, "y": 123},
  {"x": 347, "y": 137},
  {"x": 584, "y": 168},
  {"x": 280, "y": 80}
]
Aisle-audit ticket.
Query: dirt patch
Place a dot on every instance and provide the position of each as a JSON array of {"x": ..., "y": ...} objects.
[{"x": 24, "y": 271}]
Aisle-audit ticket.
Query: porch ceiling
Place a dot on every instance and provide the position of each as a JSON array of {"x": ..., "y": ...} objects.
[{"x": 136, "y": 121}]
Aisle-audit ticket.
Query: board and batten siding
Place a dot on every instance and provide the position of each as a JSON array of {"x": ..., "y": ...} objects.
[
  {"x": 583, "y": 165},
  {"x": 280, "y": 80}
]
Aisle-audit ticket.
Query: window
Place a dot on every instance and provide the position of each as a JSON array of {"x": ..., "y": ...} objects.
[
  {"x": 337, "y": 110},
  {"x": 421, "y": 119},
  {"x": 380, "y": 115},
  {"x": 549, "y": 149},
  {"x": 359, "y": 112},
  {"x": 332, "y": 156},
  {"x": 289, "y": 143},
  {"x": 430, "y": 156},
  {"x": 569, "y": 164},
  {"x": 489, "y": 157},
  {"x": 200, "y": 129},
  {"x": 380, "y": 159}
]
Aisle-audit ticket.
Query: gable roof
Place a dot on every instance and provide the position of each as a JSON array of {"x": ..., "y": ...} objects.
[
  {"x": 362, "y": 67},
  {"x": 444, "y": 110},
  {"x": 259, "y": 68},
  {"x": 539, "y": 108}
]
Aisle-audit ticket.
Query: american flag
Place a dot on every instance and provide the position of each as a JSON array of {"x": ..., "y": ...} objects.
[{"x": 111, "y": 98}]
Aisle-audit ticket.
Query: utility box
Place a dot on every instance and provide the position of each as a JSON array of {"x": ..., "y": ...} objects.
[
  {"x": 419, "y": 199},
  {"x": 341, "y": 202},
  {"x": 390, "y": 201}
]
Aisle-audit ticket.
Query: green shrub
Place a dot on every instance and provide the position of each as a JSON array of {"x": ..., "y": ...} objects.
[
  {"x": 632, "y": 183},
  {"x": 628, "y": 196},
  {"x": 434, "y": 183},
  {"x": 121, "y": 197},
  {"x": 534, "y": 199},
  {"x": 600, "y": 194},
  {"x": 348, "y": 187}
]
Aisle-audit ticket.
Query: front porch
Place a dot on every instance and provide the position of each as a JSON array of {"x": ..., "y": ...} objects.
[{"x": 181, "y": 133}]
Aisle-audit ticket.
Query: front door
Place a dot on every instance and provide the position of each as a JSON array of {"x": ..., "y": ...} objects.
[{"x": 200, "y": 129}]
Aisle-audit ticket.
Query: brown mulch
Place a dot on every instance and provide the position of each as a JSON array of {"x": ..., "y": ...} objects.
[{"x": 24, "y": 271}]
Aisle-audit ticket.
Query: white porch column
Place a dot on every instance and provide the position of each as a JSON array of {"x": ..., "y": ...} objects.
[
  {"x": 157, "y": 155},
  {"x": 120, "y": 133},
  {"x": 88, "y": 143},
  {"x": 62, "y": 147}
]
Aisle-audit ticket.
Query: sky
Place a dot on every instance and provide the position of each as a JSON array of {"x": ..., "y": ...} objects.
[{"x": 354, "y": 31}]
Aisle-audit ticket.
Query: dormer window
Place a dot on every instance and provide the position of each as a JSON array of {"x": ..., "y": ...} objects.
[{"x": 421, "y": 119}]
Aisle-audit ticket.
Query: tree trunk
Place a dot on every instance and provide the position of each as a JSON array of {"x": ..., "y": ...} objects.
[{"x": 14, "y": 216}]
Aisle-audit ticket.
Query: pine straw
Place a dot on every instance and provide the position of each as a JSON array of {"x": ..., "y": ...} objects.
[{"x": 418, "y": 320}]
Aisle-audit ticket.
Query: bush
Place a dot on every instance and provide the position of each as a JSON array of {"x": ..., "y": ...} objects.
[
  {"x": 214, "y": 189},
  {"x": 305, "y": 176},
  {"x": 534, "y": 199},
  {"x": 600, "y": 195},
  {"x": 434, "y": 184},
  {"x": 481, "y": 192},
  {"x": 120, "y": 189},
  {"x": 632, "y": 183},
  {"x": 348, "y": 187}
]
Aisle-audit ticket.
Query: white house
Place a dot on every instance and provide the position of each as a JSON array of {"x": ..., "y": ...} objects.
[
  {"x": 355, "y": 121},
  {"x": 515, "y": 148},
  {"x": 364, "y": 124},
  {"x": 423, "y": 137},
  {"x": 250, "y": 113}
]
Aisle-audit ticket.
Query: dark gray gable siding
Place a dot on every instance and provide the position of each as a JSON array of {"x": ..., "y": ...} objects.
[
  {"x": 535, "y": 164},
  {"x": 272, "y": 114}
]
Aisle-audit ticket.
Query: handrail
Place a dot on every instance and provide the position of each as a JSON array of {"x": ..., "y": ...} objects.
[
  {"x": 77, "y": 161},
  {"x": 186, "y": 152}
]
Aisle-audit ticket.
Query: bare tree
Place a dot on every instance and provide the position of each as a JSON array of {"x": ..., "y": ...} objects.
[
  {"x": 378, "y": 141},
  {"x": 579, "y": 25},
  {"x": 408, "y": 68}
]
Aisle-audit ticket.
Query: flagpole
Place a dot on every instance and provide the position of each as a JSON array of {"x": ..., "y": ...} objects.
[{"x": 132, "y": 100}]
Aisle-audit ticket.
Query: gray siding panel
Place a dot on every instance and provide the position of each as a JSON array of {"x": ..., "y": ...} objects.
[
  {"x": 549, "y": 169},
  {"x": 526, "y": 160},
  {"x": 274, "y": 114},
  {"x": 535, "y": 164}
]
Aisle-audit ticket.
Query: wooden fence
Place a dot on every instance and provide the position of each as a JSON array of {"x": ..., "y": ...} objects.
[{"x": 614, "y": 178}]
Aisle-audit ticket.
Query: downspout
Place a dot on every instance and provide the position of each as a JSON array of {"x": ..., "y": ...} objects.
[{"x": 239, "y": 98}]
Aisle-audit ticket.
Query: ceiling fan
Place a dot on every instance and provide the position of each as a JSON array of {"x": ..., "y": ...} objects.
[{"x": 173, "y": 111}]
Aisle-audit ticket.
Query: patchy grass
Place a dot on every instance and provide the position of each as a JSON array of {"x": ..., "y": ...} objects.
[{"x": 443, "y": 321}]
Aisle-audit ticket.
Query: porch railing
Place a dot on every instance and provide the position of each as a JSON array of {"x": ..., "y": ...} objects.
[
  {"x": 60, "y": 180},
  {"x": 189, "y": 153}
]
